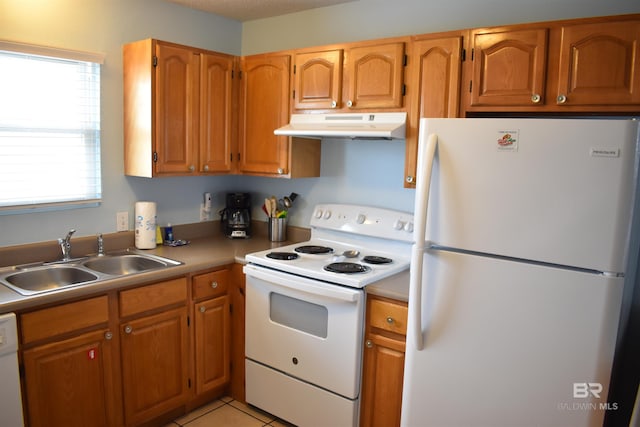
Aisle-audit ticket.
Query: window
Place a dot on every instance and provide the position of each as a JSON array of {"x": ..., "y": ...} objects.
[{"x": 49, "y": 128}]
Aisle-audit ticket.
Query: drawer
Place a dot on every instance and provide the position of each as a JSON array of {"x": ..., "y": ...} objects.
[
  {"x": 210, "y": 284},
  {"x": 154, "y": 296},
  {"x": 64, "y": 318},
  {"x": 389, "y": 316}
]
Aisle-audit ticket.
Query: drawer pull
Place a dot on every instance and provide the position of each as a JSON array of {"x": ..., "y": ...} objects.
[
  {"x": 128, "y": 329},
  {"x": 369, "y": 344},
  {"x": 108, "y": 335},
  {"x": 202, "y": 309},
  {"x": 390, "y": 320},
  {"x": 214, "y": 284}
]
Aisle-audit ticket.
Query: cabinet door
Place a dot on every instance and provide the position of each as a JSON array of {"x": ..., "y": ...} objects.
[
  {"x": 177, "y": 104},
  {"x": 374, "y": 76},
  {"x": 435, "y": 73},
  {"x": 509, "y": 67},
  {"x": 600, "y": 64},
  {"x": 216, "y": 105},
  {"x": 237, "y": 292},
  {"x": 212, "y": 322},
  {"x": 317, "y": 80},
  {"x": 383, "y": 372},
  {"x": 155, "y": 364},
  {"x": 264, "y": 107},
  {"x": 71, "y": 382}
]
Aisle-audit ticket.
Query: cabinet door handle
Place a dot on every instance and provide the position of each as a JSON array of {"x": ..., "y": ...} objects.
[
  {"x": 192, "y": 168},
  {"x": 128, "y": 329},
  {"x": 280, "y": 171},
  {"x": 349, "y": 103},
  {"x": 390, "y": 320},
  {"x": 535, "y": 98},
  {"x": 334, "y": 104},
  {"x": 410, "y": 179},
  {"x": 214, "y": 284},
  {"x": 202, "y": 309},
  {"x": 369, "y": 344},
  {"x": 206, "y": 168},
  {"x": 108, "y": 335},
  {"x": 561, "y": 99}
]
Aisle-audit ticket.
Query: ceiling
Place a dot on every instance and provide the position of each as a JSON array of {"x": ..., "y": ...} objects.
[{"x": 247, "y": 10}]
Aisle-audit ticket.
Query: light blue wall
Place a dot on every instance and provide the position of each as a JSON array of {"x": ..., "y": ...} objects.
[
  {"x": 104, "y": 26},
  {"x": 362, "y": 172},
  {"x": 372, "y": 172},
  {"x": 371, "y": 19}
]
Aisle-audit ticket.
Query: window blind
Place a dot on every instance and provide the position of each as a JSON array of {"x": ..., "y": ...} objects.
[{"x": 49, "y": 127}]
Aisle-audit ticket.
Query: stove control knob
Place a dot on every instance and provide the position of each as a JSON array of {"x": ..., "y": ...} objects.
[
  {"x": 360, "y": 219},
  {"x": 327, "y": 214},
  {"x": 408, "y": 227},
  {"x": 398, "y": 225},
  {"x": 318, "y": 213}
]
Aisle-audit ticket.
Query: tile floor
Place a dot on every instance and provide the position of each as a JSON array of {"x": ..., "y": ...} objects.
[{"x": 227, "y": 412}]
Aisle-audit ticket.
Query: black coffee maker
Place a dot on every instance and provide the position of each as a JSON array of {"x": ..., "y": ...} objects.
[{"x": 236, "y": 217}]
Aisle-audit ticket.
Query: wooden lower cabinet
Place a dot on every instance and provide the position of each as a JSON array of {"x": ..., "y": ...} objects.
[
  {"x": 212, "y": 322},
  {"x": 212, "y": 327},
  {"x": 237, "y": 294},
  {"x": 136, "y": 356},
  {"x": 155, "y": 364},
  {"x": 383, "y": 362},
  {"x": 70, "y": 382},
  {"x": 68, "y": 357}
]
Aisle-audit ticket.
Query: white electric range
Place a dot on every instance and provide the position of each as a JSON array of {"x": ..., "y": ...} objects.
[{"x": 305, "y": 312}]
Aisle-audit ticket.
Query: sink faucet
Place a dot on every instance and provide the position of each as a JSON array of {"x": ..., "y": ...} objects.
[
  {"x": 65, "y": 245},
  {"x": 100, "y": 245}
]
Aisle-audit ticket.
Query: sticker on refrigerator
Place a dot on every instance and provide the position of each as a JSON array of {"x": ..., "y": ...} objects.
[
  {"x": 604, "y": 152},
  {"x": 507, "y": 140}
]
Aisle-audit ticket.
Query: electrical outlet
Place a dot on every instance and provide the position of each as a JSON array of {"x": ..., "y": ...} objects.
[
  {"x": 122, "y": 221},
  {"x": 204, "y": 214}
]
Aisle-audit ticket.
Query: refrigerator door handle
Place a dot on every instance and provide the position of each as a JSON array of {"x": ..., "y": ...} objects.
[{"x": 426, "y": 156}]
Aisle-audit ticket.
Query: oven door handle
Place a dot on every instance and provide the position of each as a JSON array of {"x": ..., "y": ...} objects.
[{"x": 302, "y": 284}]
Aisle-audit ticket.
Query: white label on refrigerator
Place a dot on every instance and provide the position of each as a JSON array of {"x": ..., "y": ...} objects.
[
  {"x": 507, "y": 140},
  {"x": 604, "y": 152}
]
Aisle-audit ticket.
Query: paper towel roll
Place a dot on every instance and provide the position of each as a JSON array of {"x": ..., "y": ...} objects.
[{"x": 145, "y": 225}]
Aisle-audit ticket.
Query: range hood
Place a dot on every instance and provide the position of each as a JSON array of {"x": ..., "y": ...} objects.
[{"x": 348, "y": 125}]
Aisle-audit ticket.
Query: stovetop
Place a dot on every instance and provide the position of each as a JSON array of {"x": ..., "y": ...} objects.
[{"x": 382, "y": 239}]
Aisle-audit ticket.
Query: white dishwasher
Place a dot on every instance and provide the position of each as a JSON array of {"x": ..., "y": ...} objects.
[{"x": 10, "y": 400}]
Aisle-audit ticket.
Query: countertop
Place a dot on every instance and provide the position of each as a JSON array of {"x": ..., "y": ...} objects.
[{"x": 205, "y": 250}]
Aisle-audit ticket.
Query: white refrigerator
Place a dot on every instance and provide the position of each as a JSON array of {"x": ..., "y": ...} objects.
[{"x": 517, "y": 285}]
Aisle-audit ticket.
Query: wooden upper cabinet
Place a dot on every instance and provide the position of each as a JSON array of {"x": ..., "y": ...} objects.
[
  {"x": 216, "y": 113},
  {"x": 508, "y": 66},
  {"x": 264, "y": 107},
  {"x": 580, "y": 65},
  {"x": 178, "y": 113},
  {"x": 437, "y": 66},
  {"x": 317, "y": 80},
  {"x": 177, "y": 106},
  {"x": 357, "y": 76},
  {"x": 599, "y": 64},
  {"x": 374, "y": 76},
  {"x": 434, "y": 74}
]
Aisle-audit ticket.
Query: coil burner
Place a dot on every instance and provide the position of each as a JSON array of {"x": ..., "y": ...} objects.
[
  {"x": 314, "y": 249},
  {"x": 372, "y": 259},
  {"x": 346, "y": 268},
  {"x": 282, "y": 256}
]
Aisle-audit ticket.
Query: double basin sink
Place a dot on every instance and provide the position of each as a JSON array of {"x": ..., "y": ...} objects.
[{"x": 31, "y": 279}]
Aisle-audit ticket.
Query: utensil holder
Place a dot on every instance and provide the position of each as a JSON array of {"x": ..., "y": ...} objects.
[{"x": 277, "y": 229}]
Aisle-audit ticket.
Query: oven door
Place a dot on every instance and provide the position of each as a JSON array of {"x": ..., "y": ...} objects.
[{"x": 305, "y": 328}]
